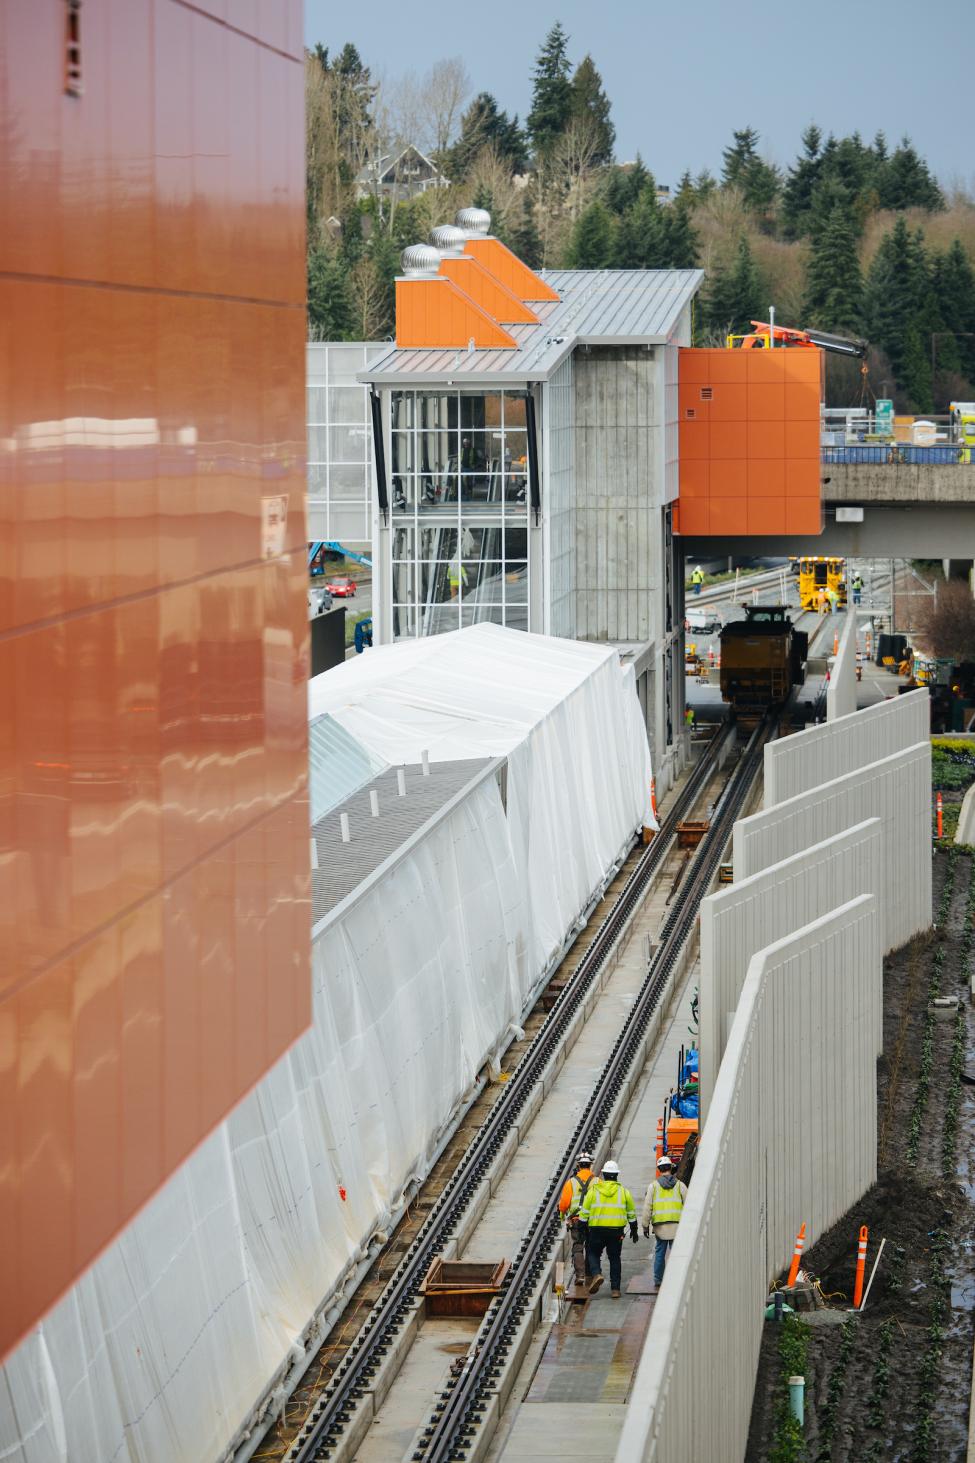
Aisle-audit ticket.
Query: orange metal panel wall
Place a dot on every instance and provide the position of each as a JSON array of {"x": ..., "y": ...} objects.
[
  {"x": 749, "y": 442},
  {"x": 154, "y": 901},
  {"x": 436, "y": 312}
]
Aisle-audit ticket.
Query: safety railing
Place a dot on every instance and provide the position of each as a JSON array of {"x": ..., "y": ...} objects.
[{"x": 941, "y": 454}]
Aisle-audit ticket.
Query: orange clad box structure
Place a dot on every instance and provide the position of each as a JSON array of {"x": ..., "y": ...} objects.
[
  {"x": 749, "y": 427},
  {"x": 154, "y": 899}
]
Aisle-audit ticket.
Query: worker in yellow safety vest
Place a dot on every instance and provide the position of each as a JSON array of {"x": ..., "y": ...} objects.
[
  {"x": 697, "y": 578},
  {"x": 570, "y": 1202},
  {"x": 662, "y": 1207},
  {"x": 605, "y": 1212}
]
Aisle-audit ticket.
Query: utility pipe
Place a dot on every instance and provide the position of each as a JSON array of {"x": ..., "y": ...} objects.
[{"x": 797, "y": 1397}]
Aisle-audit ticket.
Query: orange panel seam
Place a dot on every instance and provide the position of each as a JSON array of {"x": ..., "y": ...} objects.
[
  {"x": 65, "y": 280},
  {"x": 245, "y": 34},
  {"x": 68, "y": 951}
]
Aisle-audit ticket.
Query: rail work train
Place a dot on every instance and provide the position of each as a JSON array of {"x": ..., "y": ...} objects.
[{"x": 763, "y": 657}]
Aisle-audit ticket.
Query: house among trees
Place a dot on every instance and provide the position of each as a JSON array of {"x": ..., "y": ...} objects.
[{"x": 405, "y": 172}]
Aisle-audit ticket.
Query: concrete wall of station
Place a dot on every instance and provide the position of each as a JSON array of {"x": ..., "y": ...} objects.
[
  {"x": 908, "y": 530},
  {"x": 841, "y": 693},
  {"x": 812, "y": 757},
  {"x": 787, "y": 1142},
  {"x": 896, "y": 789},
  {"x": 618, "y": 494},
  {"x": 750, "y": 914},
  {"x": 900, "y": 482}
]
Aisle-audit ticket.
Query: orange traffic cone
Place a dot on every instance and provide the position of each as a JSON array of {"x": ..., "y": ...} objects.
[
  {"x": 861, "y": 1266},
  {"x": 797, "y": 1254},
  {"x": 836, "y": 641}
]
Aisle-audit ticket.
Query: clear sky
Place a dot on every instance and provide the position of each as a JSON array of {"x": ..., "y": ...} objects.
[{"x": 682, "y": 76}]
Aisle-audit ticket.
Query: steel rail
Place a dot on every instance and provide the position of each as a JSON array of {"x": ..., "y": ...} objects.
[
  {"x": 452, "y": 1429},
  {"x": 322, "y": 1428}
]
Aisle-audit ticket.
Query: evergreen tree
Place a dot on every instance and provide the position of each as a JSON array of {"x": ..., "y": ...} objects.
[
  {"x": 900, "y": 307},
  {"x": 525, "y": 239},
  {"x": 915, "y": 371},
  {"x": 834, "y": 287},
  {"x": 625, "y": 184},
  {"x": 798, "y": 189},
  {"x": 758, "y": 181},
  {"x": 704, "y": 185},
  {"x": 355, "y": 94},
  {"x": 590, "y": 100},
  {"x": 485, "y": 125},
  {"x": 734, "y": 298},
  {"x": 906, "y": 182},
  {"x": 685, "y": 189},
  {"x": 953, "y": 282},
  {"x": 551, "y": 91},
  {"x": 680, "y": 242},
  {"x": 591, "y": 246},
  {"x": 329, "y": 301},
  {"x": 739, "y": 157},
  {"x": 640, "y": 233}
]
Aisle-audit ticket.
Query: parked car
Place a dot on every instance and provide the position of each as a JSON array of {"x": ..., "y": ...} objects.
[
  {"x": 319, "y": 600},
  {"x": 702, "y": 622},
  {"x": 342, "y": 586}
]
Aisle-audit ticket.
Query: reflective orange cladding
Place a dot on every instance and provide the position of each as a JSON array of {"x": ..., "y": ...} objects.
[
  {"x": 749, "y": 442},
  {"x": 154, "y": 900},
  {"x": 498, "y": 259}
]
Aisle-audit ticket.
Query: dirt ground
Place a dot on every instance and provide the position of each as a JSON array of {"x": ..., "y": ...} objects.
[{"x": 896, "y": 1383}]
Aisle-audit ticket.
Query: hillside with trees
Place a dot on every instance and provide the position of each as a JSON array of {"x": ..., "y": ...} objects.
[{"x": 855, "y": 237}]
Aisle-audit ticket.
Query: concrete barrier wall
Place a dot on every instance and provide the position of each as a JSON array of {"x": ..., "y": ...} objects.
[
  {"x": 792, "y": 1137},
  {"x": 896, "y": 790},
  {"x": 809, "y": 758},
  {"x": 751, "y": 913},
  {"x": 841, "y": 693}
]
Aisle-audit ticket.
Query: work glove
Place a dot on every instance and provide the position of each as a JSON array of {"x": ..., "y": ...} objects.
[
  {"x": 634, "y": 1235},
  {"x": 646, "y": 1231}
]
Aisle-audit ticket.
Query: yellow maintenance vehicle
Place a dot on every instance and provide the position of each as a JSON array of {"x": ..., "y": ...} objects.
[{"x": 822, "y": 574}]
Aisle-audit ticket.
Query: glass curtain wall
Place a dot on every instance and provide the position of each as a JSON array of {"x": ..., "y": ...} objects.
[{"x": 459, "y": 510}]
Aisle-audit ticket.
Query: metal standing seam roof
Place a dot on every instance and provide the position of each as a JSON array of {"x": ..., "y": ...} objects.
[
  {"x": 346, "y": 869},
  {"x": 597, "y": 307}
]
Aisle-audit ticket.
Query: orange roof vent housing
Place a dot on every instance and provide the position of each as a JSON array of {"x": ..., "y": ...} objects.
[
  {"x": 498, "y": 259},
  {"x": 476, "y": 281},
  {"x": 432, "y": 311}
]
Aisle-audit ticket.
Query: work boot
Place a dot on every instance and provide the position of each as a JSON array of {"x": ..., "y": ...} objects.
[
  {"x": 594, "y": 1283},
  {"x": 615, "y": 1294}
]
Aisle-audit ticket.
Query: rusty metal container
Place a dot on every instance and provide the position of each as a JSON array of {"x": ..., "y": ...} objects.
[
  {"x": 462, "y": 1287},
  {"x": 690, "y": 833}
]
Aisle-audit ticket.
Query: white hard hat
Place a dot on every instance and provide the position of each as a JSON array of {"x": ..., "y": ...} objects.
[
  {"x": 611, "y": 1167},
  {"x": 664, "y": 1162}
]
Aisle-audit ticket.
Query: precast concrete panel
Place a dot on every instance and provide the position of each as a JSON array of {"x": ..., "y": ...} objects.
[
  {"x": 896, "y": 790},
  {"x": 749, "y": 914},
  {"x": 788, "y": 1141},
  {"x": 817, "y": 755},
  {"x": 841, "y": 693}
]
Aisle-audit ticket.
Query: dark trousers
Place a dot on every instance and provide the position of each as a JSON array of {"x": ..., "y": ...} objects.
[
  {"x": 610, "y": 1240},
  {"x": 578, "y": 1237}
]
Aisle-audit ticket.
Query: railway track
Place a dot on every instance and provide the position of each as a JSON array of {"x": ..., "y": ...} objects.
[
  {"x": 453, "y": 1428},
  {"x": 323, "y": 1431}
]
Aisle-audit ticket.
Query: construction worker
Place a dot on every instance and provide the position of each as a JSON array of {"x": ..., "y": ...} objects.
[
  {"x": 570, "y": 1202},
  {"x": 833, "y": 599},
  {"x": 857, "y": 587},
  {"x": 662, "y": 1208},
  {"x": 605, "y": 1212},
  {"x": 689, "y": 718},
  {"x": 456, "y": 575},
  {"x": 697, "y": 578},
  {"x": 822, "y": 603}
]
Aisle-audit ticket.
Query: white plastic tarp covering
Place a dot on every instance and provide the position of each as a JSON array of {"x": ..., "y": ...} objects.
[
  {"x": 172, "y": 1338},
  {"x": 564, "y": 712}
]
